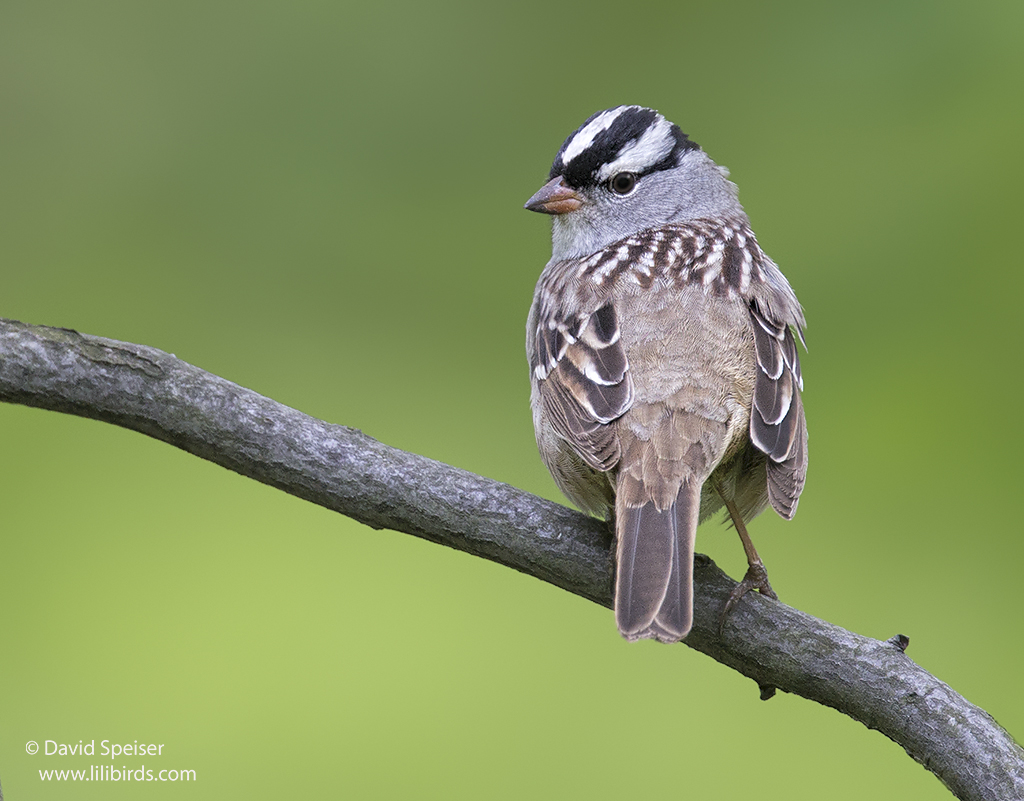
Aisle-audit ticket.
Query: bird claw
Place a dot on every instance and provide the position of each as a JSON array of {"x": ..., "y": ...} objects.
[{"x": 756, "y": 578}]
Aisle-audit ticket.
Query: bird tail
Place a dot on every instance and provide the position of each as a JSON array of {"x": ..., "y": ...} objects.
[{"x": 654, "y": 576}]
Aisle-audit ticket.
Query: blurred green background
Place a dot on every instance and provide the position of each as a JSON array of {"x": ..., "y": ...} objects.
[{"x": 323, "y": 202}]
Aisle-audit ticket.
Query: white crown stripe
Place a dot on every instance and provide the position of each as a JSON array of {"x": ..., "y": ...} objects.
[
  {"x": 643, "y": 153},
  {"x": 585, "y": 137}
]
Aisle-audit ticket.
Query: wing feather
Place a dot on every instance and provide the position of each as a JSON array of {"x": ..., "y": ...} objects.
[
  {"x": 584, "y": 382},
  {"x": 777, "y": 424}
]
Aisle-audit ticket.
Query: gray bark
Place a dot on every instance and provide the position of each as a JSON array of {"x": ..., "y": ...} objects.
[{"x": 153, "y": 392}]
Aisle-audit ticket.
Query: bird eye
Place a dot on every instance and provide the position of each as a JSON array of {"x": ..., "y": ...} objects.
[{"x": 622, "y": 183}]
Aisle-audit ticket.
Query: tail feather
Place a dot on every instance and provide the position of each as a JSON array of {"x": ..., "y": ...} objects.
[{"x": 654, "y": 576}]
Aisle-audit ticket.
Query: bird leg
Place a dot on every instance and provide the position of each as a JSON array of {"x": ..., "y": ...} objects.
[{"x": 756, "y": 577}]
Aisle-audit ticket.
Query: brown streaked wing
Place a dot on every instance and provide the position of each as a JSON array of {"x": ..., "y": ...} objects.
[
  {"x": 584, "y": 382},
  {"x": 786, "y": 479},
  {"x": 777, "y": 424}
]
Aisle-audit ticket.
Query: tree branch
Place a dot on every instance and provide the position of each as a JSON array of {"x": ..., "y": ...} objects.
[{"x": 153, "y": 392}]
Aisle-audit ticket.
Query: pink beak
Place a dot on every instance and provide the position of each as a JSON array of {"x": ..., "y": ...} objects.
[{"x": 554, "y": 198}]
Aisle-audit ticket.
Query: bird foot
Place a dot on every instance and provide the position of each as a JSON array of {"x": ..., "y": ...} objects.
[{"x": 756, "y": 578}]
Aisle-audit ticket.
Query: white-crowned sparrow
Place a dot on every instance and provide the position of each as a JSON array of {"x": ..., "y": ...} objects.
[{"x": 664, "y": 369}]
